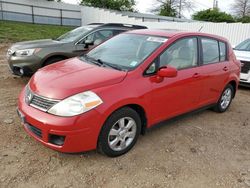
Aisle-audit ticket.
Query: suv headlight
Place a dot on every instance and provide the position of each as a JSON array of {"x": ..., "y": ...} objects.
[
  {"x": 76, "y": 104},
  {"x": 26, "y": 52}
]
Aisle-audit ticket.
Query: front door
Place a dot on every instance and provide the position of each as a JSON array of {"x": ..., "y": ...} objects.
[{"x": 174, "y": 96}]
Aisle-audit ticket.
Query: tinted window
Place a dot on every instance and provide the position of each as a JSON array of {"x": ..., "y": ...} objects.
[
  {"x": 182, "y": 54},
  {"x": 223, "y": 51},
  {"x": 116, "y": 32},
  {"x": 244, "y": 46},
  {"x": 74, "y": 34},
  {"x": 99, "y": 36},
  {"x": 210, "y": 49}
]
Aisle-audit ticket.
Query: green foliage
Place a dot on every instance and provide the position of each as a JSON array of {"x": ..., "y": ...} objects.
[
  {"x": 244, "y": 19},
  {"x": 167, "y": 10},
  {"x": 18, "y": 31},
  {"x": 121, "y": 5},
  {"x": 213, "y": 15},
  {"x": 173, "y": 8}
]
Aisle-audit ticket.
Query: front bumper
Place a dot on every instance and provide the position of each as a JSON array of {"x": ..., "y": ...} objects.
[
  {"x": 78, "y": 133},
  {"x": 29, "y": 64},
  {"x": 245, "y": 79}
]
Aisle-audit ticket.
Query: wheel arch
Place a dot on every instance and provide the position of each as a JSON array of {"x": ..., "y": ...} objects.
[
  {"x": 63, "y": 56},
  {"x": 136, "y": 107},
  {"x": 234, "y": 84}
]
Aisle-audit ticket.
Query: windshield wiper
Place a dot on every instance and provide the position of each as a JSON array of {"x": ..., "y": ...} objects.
[
  {"x": 109, "y": 65},
  {"x": 100, "y": 62},
  {"x": 91, "y": 60}
]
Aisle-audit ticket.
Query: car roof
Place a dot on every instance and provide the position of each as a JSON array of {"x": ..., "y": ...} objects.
[{"x": 168, "y": 33}]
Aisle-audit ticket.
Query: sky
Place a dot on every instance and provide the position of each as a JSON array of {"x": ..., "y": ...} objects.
[{"x": 144, "y": 6}]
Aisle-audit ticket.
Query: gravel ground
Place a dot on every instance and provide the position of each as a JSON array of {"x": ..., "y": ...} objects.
[{"x": 205, "y": 149}]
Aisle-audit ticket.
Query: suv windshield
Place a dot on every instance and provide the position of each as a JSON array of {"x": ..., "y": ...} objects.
[
  {"x": 126, "y": 51},
  {"x": 243, "y": 46},
  {"x": 73, "y": 35}
]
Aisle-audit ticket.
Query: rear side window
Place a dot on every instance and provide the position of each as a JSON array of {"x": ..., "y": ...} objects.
[
  {"x": 223, "y": 51},
  {"x": 210, "y": 50}
]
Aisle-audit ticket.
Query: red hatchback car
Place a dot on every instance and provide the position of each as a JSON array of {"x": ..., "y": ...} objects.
[{"x": 129, "y": 83}]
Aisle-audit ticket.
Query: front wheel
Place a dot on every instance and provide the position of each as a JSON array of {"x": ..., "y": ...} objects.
[
  {"x": 120, "y": 132},
  {"x": 225, "y": 99}
]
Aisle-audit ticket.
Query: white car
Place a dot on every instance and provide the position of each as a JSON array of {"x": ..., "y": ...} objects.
[{"x": 242, "y": 52}]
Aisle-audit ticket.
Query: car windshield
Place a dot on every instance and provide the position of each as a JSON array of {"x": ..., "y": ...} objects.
[
  {"x": 126, "y": 51},
  {"x": 243, "y": 46},
  {"x": 73, "y": 35}
]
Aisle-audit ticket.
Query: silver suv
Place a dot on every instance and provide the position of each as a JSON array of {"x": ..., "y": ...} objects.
[
  {"x": 25, "y": 58},
  {"x": 242, "y": 52}
]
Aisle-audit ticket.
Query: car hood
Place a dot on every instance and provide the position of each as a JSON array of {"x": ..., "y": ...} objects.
[
  {"x": 72, "y": 76},
  {"x": 242, "y": 55},
  {"x": 35, "y": 44}
]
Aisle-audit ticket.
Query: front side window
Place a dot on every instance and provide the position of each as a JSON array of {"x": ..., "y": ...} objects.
[
  {"x": 74, "y": 34},
  {"x": 182, "y": 54},
  {"x": 210, "y": 50},
  {"x": 127, "y": 50}
]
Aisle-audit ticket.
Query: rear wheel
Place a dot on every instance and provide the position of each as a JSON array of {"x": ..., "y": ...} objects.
[
  {"x": 225, "y": 99},
  {"x": 52, "y": 60},
  {"x": 120, "y": 132}
]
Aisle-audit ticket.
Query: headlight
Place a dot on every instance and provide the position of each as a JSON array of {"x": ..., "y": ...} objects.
[
  {"x": 27, "y": 52},
  {"x": 76, "y": 104}
]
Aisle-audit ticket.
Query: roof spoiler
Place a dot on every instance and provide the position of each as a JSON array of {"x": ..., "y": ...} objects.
[
  {"x": 123, "y": 25},
  {"x": 96, "y": 24}
]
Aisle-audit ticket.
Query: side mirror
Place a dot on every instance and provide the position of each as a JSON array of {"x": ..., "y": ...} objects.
[
  {"x": 167, "y": 72},
  {"x": 89, "y": 43}
]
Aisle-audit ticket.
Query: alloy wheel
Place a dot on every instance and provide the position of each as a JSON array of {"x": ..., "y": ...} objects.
[
  {"x": 122, "y": 134},
  {"x": 226, "y": 98}
]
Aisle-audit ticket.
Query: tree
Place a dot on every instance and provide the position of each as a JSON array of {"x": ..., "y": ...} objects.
[
  {"x": 244, "y": 19},
  {"x": 241, "y": 8},
  {"x": 213, "y": 15},
  {"x": 121, "y": 5},
  {"x": 173, "y": 8}
]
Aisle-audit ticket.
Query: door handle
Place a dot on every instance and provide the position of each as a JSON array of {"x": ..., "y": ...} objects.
[
  {"x": 196, "y": 75},
  {"x": 225, "y": 69}
]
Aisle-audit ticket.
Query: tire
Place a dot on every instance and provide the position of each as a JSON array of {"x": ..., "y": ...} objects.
[
  {"x": 120, "y": 132},
  {"x": 52, "y": 60},
  {"x": 225, "y": 99}
]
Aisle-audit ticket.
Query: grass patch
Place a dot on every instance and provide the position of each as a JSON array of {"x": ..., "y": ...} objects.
[{"x": 18, "y": 31}]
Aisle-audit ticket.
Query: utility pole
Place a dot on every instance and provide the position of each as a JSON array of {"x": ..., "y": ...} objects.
[
  {"x": 215, "y": 4},
  {"x": 180, "y": 8}
]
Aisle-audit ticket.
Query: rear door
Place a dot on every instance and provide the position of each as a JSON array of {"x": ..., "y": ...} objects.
[{"x": 214, "y": 69}]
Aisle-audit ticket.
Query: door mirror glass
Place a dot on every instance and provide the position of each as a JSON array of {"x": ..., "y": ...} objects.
[
  {"x": 80, "y": 46},
  {"x": 167, "y": 72},
  {"x": 89, "y": 42}
]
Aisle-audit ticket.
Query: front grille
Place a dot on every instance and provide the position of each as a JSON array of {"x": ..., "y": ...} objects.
[
  {"x": 35, "y": 130},
  {"x": 39, "y": 102},
  {"x": 245, "y": 67}
]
